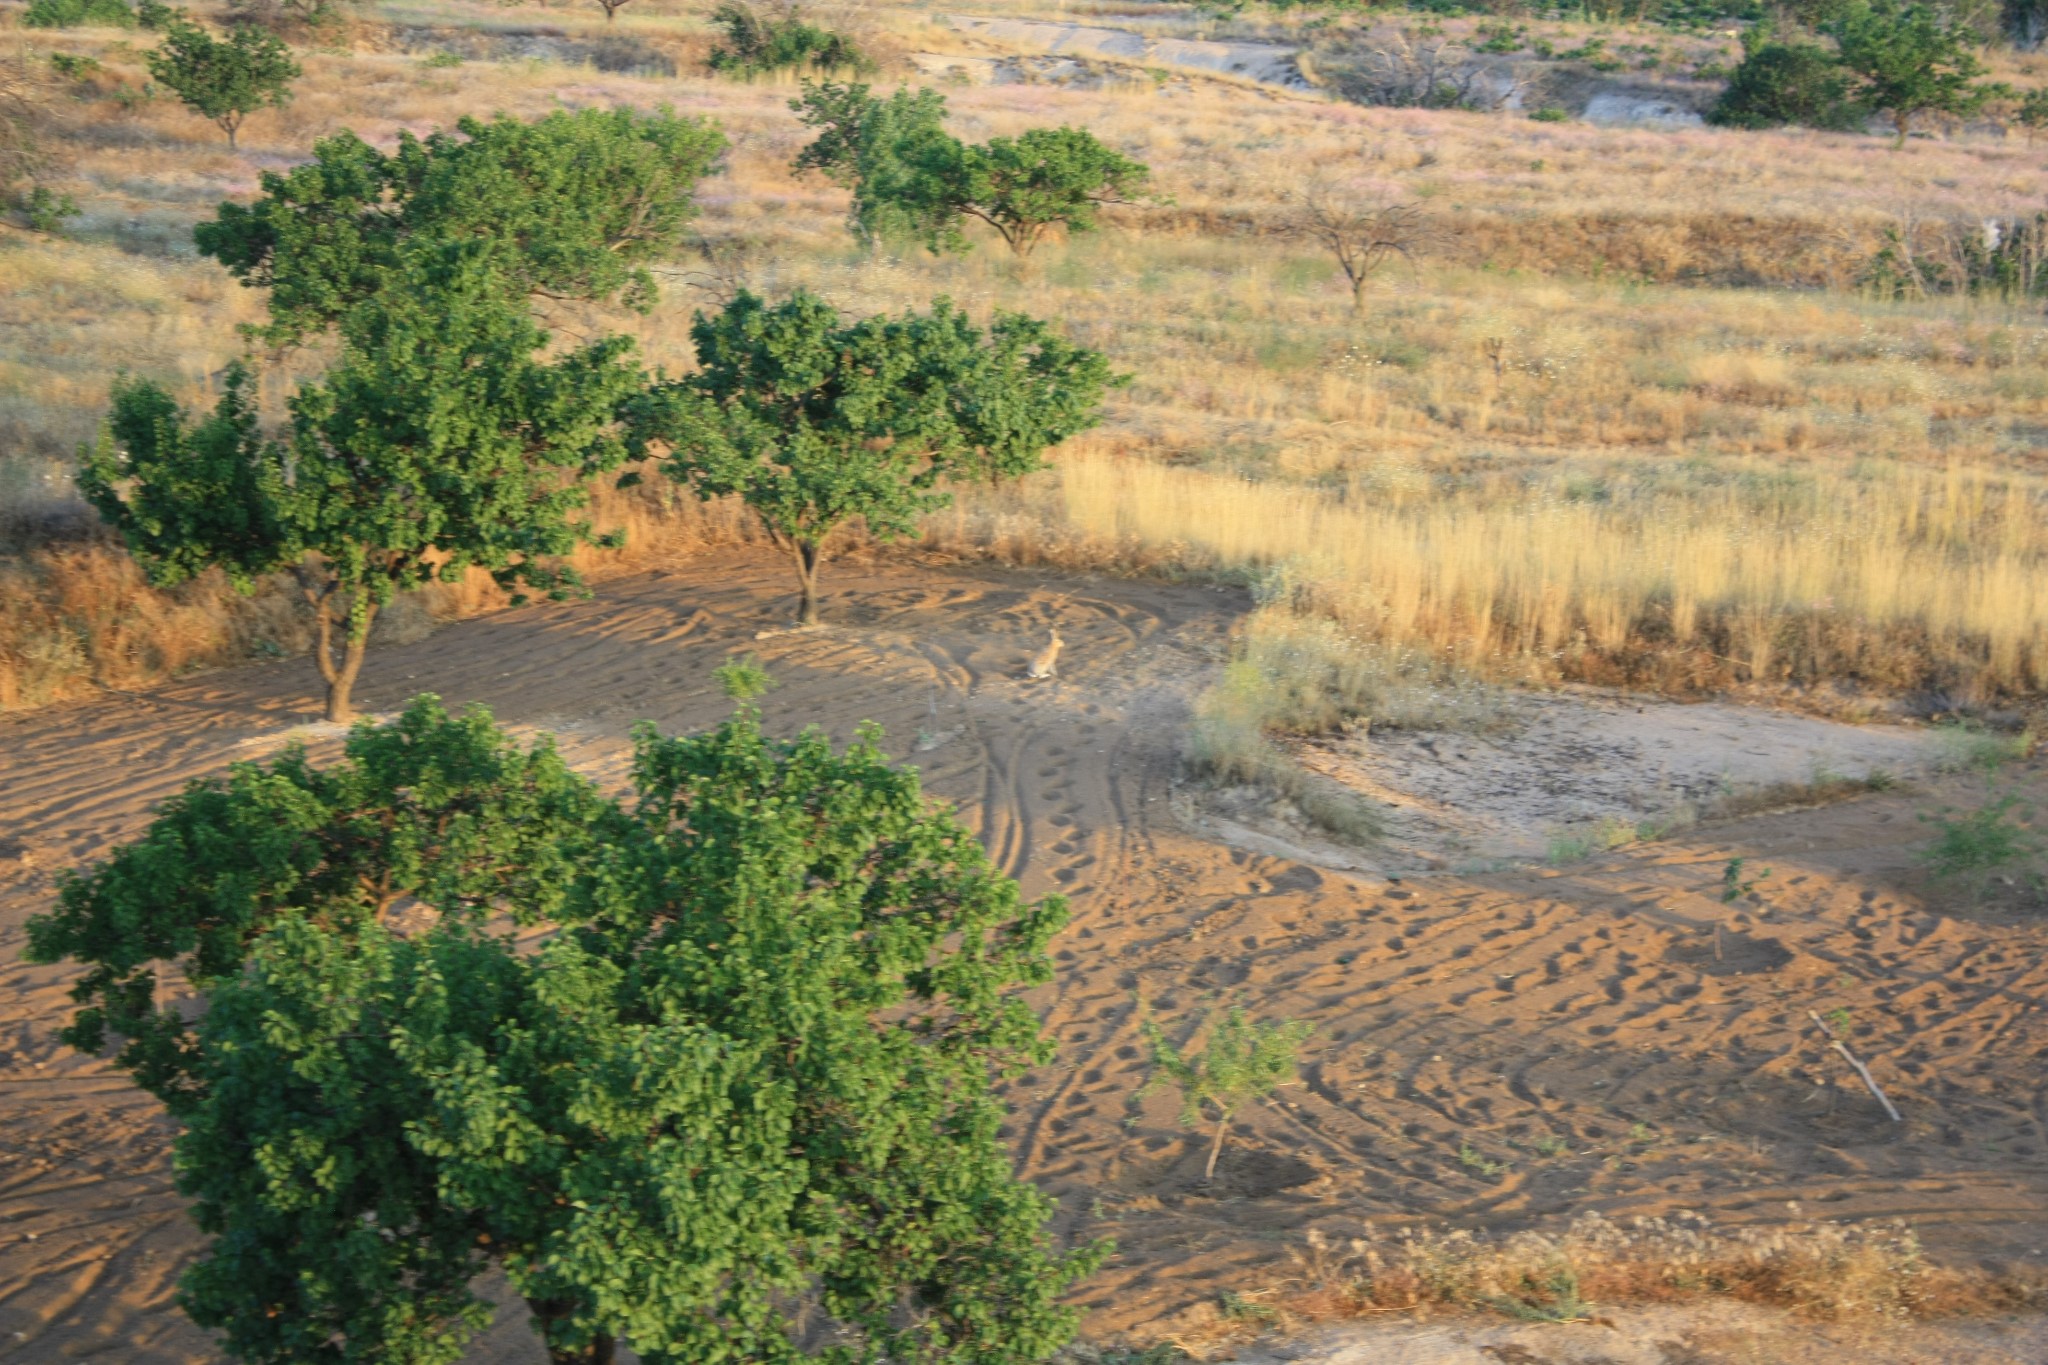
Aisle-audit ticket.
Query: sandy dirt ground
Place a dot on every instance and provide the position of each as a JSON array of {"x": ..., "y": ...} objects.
[{"x": 1491, "y": 1011}]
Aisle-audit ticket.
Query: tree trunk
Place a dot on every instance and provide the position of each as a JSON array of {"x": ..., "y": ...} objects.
[
  {"x": 602, "y": 1350},
  {"x": 1358, "y": 295},
  {"x": 809, "y": 556},
  {"x": 338, "y": 708},
  {"x": 1216, "y": 1149},
  {"x": 340, "y": 677},
  {"x": 1904, "y": 123}
]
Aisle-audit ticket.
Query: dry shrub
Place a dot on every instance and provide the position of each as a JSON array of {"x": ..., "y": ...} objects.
[
  {"x": 1828, "y": 1271},
  {"x": 79, "y": 615}
]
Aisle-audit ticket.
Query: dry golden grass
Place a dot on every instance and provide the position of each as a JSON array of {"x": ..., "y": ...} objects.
[
  {"x": 1824, "y": 1271},
  {"x": 1528, "y": 459}
]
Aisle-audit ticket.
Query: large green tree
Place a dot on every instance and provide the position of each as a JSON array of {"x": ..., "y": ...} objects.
[
  {"x": 224, "y": 79},
  {"x": 431, "y": 812},
  {"x": 912, "y": 180},
  {"x": 815, "y": 422},
  {"x": 442, "y": 439},
  {"x": 1911, "y": 59},
  {"x": 577, "y": 203},
  {"x": 736, "y": 1110}
]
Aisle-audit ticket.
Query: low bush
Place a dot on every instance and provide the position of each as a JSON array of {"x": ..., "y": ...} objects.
[
  {"x": 78, "y": 14},
  {"x": 756, "y": 43},
  {"x": 1788, "y": 82}
]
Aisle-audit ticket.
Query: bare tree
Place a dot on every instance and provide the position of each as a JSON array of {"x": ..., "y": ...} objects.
[
  {"x": 1410, "y": 72},
  {"x": 26, "y": 121},
  {"x": 1364, "y": 233}
]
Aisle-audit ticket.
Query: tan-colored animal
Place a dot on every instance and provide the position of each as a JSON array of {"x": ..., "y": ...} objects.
[{"x": 1046, "y": 663}]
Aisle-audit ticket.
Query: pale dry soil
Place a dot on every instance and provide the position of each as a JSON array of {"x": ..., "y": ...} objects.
[{"x": 1582, "y": 1005}]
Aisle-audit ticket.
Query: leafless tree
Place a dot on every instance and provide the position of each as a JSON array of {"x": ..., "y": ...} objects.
[
  {"x": 1362, "y": 232},
  {"x": 27, "y": 152},
  {"x": 1407, "y": 72}
]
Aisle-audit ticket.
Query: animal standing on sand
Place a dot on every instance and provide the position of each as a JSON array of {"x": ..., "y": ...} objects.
[{"x": 1045, "y": 663}]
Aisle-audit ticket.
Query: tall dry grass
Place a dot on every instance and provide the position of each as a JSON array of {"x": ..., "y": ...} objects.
[{"x": 1893, "y": 578}]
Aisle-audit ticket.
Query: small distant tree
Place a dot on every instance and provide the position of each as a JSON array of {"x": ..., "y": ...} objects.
[
  {"x": 1246, "y": 1059},
  {"x": 815, "y": 422},
  {"x": 579, "y": 203},
  {"x": 1911, "y": 59},
  {"x": 1362, "y": 234},
  {"x": 441, "y": 440},
  {"x": 1785, "y": 81},
  {"x": 1024, "y": 186},
  {"x": 759, "y": 40},
  {"x": 913, "y": 180},
  {"x": 225, "y": 80},
  {"x": 737, "y": 1108}
]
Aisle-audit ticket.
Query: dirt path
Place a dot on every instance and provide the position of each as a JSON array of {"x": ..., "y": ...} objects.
[{"x": 1484, "y": 1013}]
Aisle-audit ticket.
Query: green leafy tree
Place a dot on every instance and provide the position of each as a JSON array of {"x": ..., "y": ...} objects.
[
  {"x": 1245, "y": 1059},
  {"x": 1911, "y": 59},
  {"x": 914, "y": 181},
  {"x": 224, "y": 79},
  {"x": 578, "y": 203},
  {"x": 895, "y": 155},
  {"x": 1027, "y": 185},
  {"x": 757, "y": 43},
  {"x": 1781, "y": 82},
  {"x": 434, "y": 812},
  {"x": 815, "y": 422},
  {"x": 738, "y": 1109},
  {"x": 441, "y": 440}
]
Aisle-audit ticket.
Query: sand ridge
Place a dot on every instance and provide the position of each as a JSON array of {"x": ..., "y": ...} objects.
[{"x": 1581, "y": 1005}]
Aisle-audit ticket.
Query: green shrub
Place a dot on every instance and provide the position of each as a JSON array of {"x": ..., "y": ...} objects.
[
  {"x": 1972, "y": 847},
  {"x": 47, "y": 210},
  {"x": 756, "y": 44},
  {"x": 71, "y": 66},
  {"x": 1788, "y": 82},
  {"x": 78, "y": 14},
  {"x": 1550, "y": 113}
]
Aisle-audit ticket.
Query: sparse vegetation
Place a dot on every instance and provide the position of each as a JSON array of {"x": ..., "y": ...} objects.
[{"x": 1243, "y": 1059}]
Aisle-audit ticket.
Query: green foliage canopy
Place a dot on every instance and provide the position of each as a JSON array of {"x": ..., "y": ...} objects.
[
  {"x": 440, "y": 440},
  {"x": 756, "y": 44},
  {"x": 225, "y": 80},
  {"x": 815, "y": 422},
  {"x": 78, "y": 14},
  {"x": 1911, "y": 59},
  {"x": 751, "y": 1071},
  {"x": 1781, "y": 82},
  {"x": 439, "y": 811},
  {"x": 912, "y": 180},
  {"x": 577, "y": 204}
]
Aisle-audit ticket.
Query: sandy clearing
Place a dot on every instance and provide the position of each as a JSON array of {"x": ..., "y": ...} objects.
[{"x": 1583, "y": 1005}]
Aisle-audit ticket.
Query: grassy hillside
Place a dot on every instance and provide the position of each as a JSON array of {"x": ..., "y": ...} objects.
[{"x": 1628, "y": 415}]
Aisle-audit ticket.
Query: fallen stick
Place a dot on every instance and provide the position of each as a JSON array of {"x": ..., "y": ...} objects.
[{"x": 1869, "y": 1082}]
